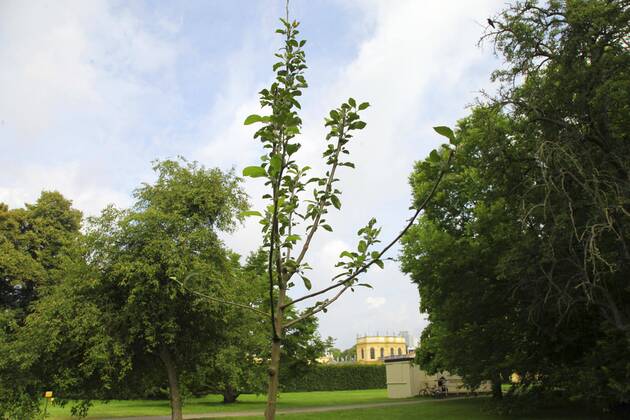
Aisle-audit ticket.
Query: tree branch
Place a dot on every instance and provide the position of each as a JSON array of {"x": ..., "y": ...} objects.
[
  {"x": 215, "y": 299},
  {"x": 318, "y": 308},
  {"x": 384, "y": 250},
  {"x": 315, "y": 225}
]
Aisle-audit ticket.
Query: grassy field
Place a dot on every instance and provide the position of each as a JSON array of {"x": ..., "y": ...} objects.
[
  {"x": 427, "y": 409},
  {"x": 474, "y": 409},
  {"x": 212, "y": 403}
]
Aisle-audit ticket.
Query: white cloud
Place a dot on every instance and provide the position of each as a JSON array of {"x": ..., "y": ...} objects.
[
  {"x": 375, "y": 302},
  {"x": 77, "y": 88}
]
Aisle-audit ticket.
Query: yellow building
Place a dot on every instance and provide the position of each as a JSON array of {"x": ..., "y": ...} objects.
[{"x": 373, "y": 349}]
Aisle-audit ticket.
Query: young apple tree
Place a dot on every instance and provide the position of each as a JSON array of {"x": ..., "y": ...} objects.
[{"x": 289, "y": 221}]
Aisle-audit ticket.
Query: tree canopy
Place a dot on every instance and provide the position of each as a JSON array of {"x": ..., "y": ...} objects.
[{"x": 522, "y": 259}]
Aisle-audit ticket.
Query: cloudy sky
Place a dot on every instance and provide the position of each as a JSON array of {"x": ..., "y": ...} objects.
[{"x": 93, "y": 91}]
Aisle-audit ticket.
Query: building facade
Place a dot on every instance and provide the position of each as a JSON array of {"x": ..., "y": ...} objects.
[
  {"x": 374, "y": 349},
  {"x": 405, "y": 379}
]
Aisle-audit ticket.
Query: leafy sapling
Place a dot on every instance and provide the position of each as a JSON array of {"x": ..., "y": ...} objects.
[{"x": 289, "y": 221}]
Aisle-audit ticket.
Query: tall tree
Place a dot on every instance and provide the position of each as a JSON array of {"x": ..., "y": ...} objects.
[
  {"x": 36, "y": 242},
  {"x": 284, "y": 241},
  {"x": 525, "y": 253},
  {"x": 574, "y": 101},
  {"x": 573, "y": 58},
  {"x": 171, "y": 232},
  {"x": 455, "y": 251}
]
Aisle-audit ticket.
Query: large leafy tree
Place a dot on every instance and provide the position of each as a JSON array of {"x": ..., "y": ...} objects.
[
  {"x": 573, "y": 106},
  {"x": 170, "y": 233},
  {"x": 456, "y": 251},
  {"x": 36, "y": 243},
  {"x": 524, "y": 254},
  {"x": 573, "y": 102}
]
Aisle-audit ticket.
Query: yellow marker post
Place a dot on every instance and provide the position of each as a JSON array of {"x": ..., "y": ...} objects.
[{"x": 49, "y": 397}]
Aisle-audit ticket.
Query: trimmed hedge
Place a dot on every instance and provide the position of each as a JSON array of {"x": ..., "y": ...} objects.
[{"x": 336, "y": 378}]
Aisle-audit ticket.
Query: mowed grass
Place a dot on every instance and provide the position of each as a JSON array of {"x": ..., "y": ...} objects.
[
  {"x": 471, "y": 409},
  {"x": 212, "y": 403},
  {"x": 425, "y": 408}
]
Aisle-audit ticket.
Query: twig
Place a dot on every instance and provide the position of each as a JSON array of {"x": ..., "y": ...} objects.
[{"x": 215, "y": 299}]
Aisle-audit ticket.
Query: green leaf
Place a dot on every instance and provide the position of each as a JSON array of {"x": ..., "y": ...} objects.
[
  {"x": 346, "y": 254},
  {"x": 379, "y": 263},
  {"x": 293, "y": 238},
  {"x": 434, "y": 156},
  {"x": 254, "y": 172},
  {"x": 328, "y": 228},
  {"x": 293, "y": 130},
  {"x": 335, "y": 201},
  {"x": 292, "y": 148},
  {"x": 352, "y": 102},
  {"x": 250, "y": 213},
  {"x": 307, "y": 283},
  {"x": 254, "y": 118},
  {"x": 275, "y": 163},
  {"x": 362, "y": 246},
  {"x": 363, "y": 106},
  {"x": 445, "y": 131}
]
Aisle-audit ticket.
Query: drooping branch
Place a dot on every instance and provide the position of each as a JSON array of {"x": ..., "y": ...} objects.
[
  {"x": 219, "y": 300},
  {"x": 349, "y": 280}
]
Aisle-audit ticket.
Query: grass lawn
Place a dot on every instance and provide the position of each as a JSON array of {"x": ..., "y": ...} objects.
[
  {"x": 427, "y": 409},
  {"x": 212, "y": 403},
  {"x": 473, "y": 409}
]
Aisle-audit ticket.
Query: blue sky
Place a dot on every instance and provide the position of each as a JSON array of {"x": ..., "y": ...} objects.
[{"x": 93, "y": 91}]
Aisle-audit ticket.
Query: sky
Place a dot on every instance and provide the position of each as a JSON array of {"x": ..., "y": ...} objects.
[{"x": 93, "y": 91}]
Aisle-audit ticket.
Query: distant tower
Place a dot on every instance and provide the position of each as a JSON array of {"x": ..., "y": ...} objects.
[{"x": 407, "y": 337}]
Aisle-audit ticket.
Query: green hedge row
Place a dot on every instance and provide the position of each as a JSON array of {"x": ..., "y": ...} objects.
[{"x": 337, "y": 378}]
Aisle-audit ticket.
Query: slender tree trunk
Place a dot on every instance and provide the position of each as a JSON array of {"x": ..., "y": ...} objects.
[
  {"x": 274, "y": 366},
  {"x": 497, "y": 393},
  {"x": 173, "y": 384}
]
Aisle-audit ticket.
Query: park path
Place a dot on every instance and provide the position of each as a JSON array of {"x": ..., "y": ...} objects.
[{"x": 259, "y": 413}]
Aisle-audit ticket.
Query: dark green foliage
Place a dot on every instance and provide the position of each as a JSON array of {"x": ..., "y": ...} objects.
[
  {"x": 135, "y": 255},
  {"x": 37, "y": 244},
  {"x": 239, "y": 365},
  {"x": 336, "y": 378},
  {"x": 522, "y": 259}
]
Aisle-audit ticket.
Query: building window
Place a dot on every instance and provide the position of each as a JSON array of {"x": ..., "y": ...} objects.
[
  {"x": 399, "y": 351},
  {"x": 372, "y": 356},
  {"x": 382, "y": 352},
  {"x": 391, "y": 351},
  {"x": 362, "y": 354}
]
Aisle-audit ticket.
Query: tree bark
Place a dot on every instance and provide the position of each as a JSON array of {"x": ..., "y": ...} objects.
[
  {"x": 173, "y": 384},
  {"x": 497, "y": 393},
  {"x": 230, "y": 395},
  {"x": 274, "y": 365},
  {"x": 274, "y": 380}
]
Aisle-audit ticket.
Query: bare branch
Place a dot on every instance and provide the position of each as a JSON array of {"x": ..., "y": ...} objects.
[{"x": 219, "y": 300}]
